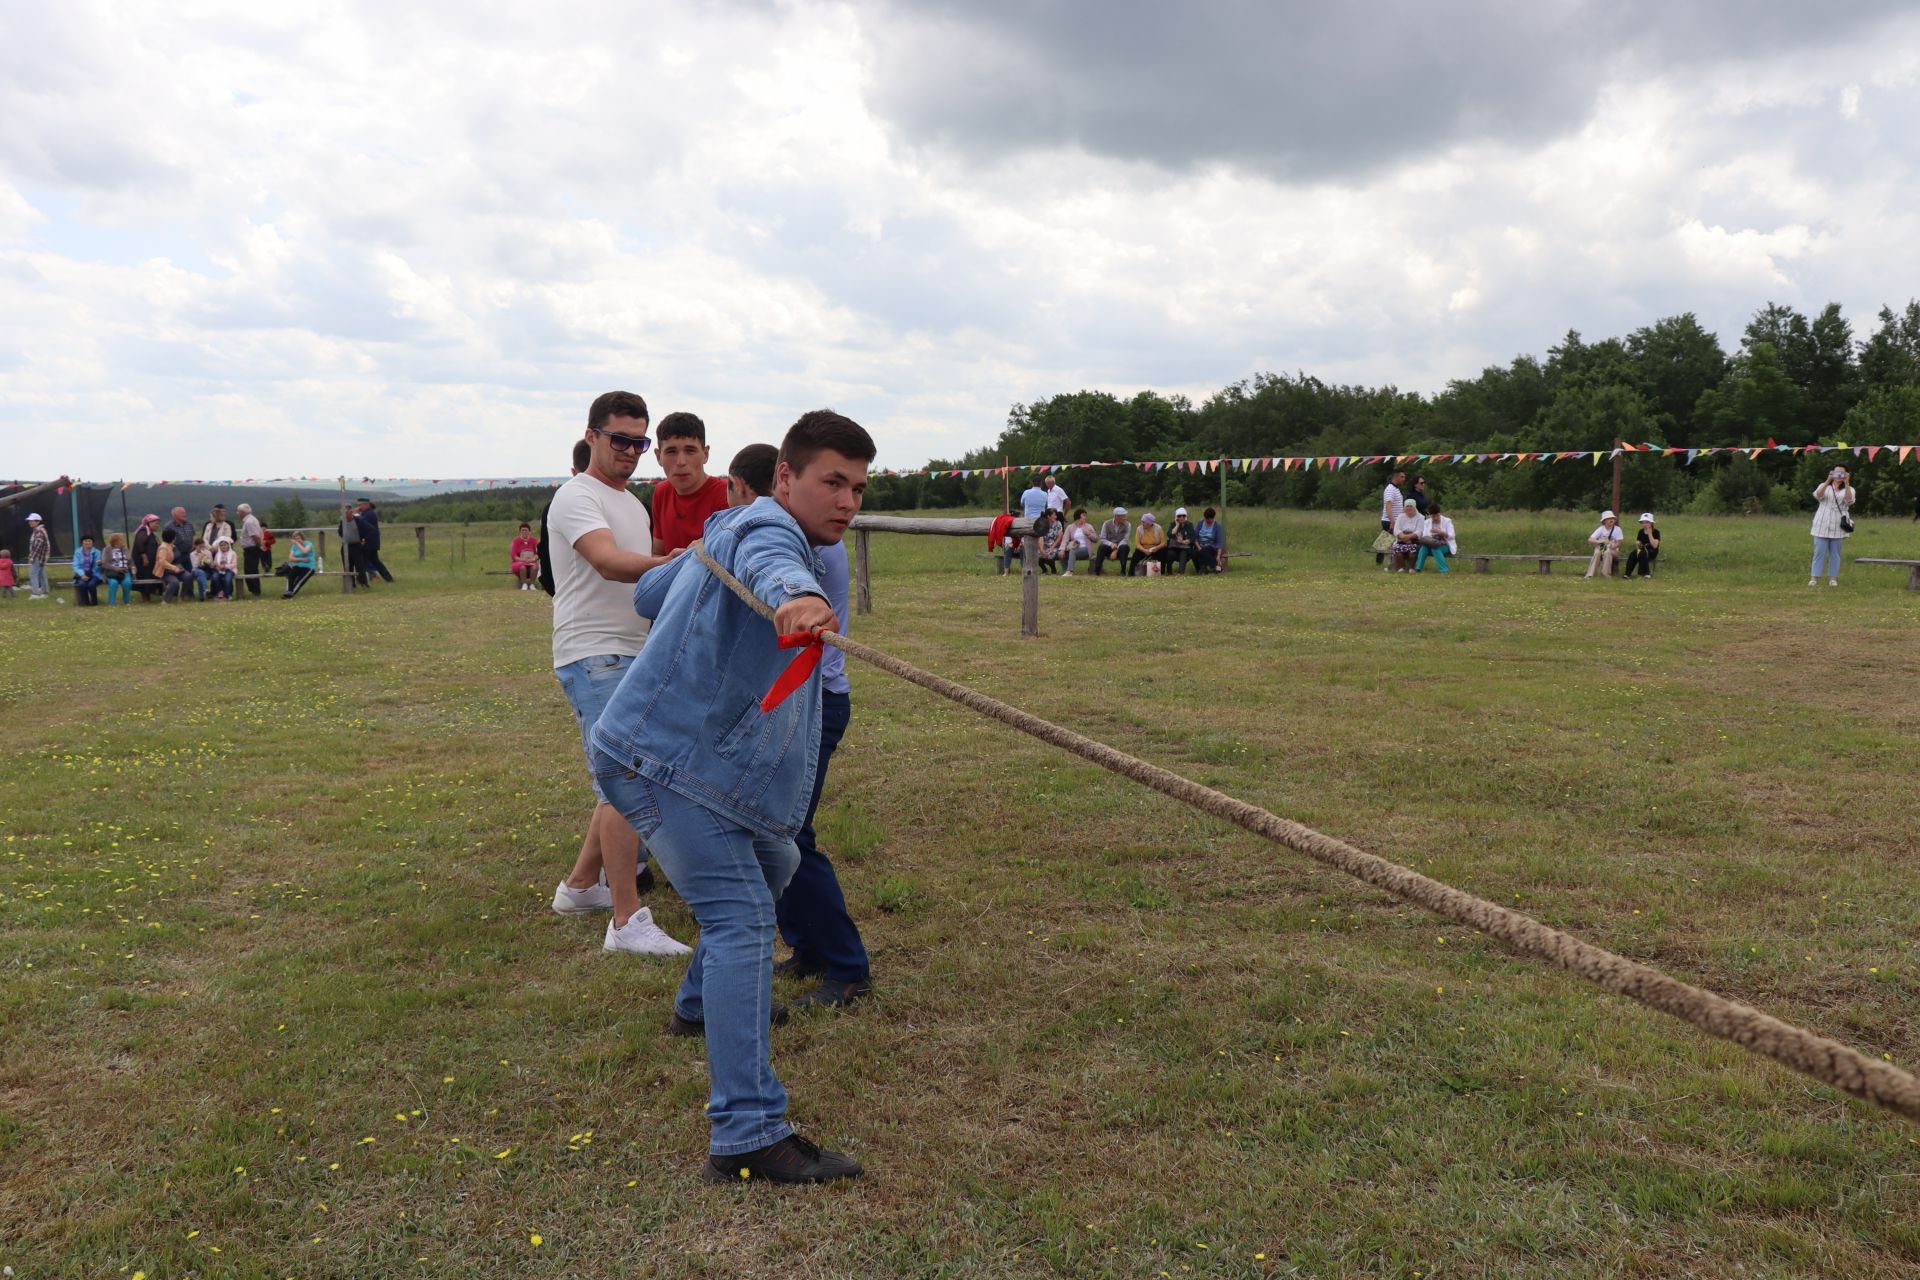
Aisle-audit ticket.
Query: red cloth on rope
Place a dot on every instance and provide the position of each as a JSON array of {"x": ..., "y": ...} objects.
[{"x": 811, "y": 646}]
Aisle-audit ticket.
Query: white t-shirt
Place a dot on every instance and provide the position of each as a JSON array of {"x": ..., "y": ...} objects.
[
  {"x": 1440, "y": 527},
  {"x": 1391, "y": 502},
  {"x": 1605, "y": 535},
  {"x": 1082, "y": 535},
  {"x": 593, "y": 615},
  {"x": 1057, "y": 499},
  {"x": 1407, "y": 528}
]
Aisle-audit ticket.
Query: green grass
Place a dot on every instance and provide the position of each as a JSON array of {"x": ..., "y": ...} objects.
[{"x": 274, "y": 883}]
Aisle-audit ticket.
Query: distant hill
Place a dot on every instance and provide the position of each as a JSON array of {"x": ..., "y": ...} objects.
[{"x": 198, "y": 499}]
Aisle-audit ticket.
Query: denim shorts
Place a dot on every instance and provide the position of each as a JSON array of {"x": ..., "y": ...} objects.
[{"x": 589, "y": 684}]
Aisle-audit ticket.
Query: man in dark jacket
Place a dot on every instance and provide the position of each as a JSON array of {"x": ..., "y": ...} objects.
[
  {"x": 146, "y": 549},
  {"x": 369, "y": 520}
]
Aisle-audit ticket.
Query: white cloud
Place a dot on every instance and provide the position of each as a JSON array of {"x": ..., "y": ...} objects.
[{"x": 417, "y": 240}]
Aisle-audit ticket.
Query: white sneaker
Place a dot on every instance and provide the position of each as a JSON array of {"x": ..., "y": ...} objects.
[
  {"x": 1813, "y": 582},
  {"x": 1833, "y": 582},
  {"x": 1066, "y": 573},
  {"x": 641, "y": 936},
  {"x": 569, "y": 901}
]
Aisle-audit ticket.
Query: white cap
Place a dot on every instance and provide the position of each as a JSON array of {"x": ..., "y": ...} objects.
[
  {"x": 1179, "y": 511},
  {"x": 34, "y": 516},
  {"x": 1646, "y": 517},
  {"x": 1606, "y": 515},
  {"x": 1119, "y": 511}
]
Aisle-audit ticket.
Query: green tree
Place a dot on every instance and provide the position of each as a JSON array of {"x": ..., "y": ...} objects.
[
  {"x": 1674, "y": 361},
  {"x": 1891, "y": 355},
  {"x": 289, "y": 513}
]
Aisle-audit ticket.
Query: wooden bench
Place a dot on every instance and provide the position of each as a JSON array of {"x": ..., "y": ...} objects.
[
  {"x": 1913, "y": 568},
  {"x": 1546, "y": 563}
]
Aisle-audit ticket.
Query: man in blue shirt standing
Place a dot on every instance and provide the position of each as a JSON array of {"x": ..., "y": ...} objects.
[
  {"x": 1033, "y": 501},
  {"x": 813, "y": 914},
  {"x": 710, "y": 748}
]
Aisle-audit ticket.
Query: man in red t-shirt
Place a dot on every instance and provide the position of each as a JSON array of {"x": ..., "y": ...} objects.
[{"x": 683, "y": 501}]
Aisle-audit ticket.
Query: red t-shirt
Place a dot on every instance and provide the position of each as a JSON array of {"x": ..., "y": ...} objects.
[{"x": 677, "y": 521}]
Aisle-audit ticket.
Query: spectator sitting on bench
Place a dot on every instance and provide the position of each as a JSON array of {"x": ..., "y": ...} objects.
[
  {"x": 1180, "y": 546},
  {"x": 1406, "y": 538},
  {"x": 1048, "y": 534},
  {"x": 1149, "y": 545},
  {"x": 1209, "y": 539},
  {"x": 1606, "y": 545},
  {"x": 1115, "y": 542},
  {"x": 1077, "y": 542},
  {"x": 1001, "y": 539},
  {"x": 1646, "y": 547},
  {"x": 1436, "y": 540}
]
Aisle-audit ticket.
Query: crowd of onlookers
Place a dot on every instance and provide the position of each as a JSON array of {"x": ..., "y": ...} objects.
[
  {"x": 170, "y": 561},
  {"x": 1147, "y": 549}
]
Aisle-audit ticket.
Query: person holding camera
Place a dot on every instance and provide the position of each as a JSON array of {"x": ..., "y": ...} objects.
[{"x": 1832, "y": 522}]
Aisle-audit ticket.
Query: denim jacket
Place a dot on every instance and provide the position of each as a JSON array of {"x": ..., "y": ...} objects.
[{"x": 687, "y": 713}]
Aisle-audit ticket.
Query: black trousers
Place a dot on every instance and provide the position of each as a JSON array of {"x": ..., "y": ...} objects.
[
  {"x": 1642, "y": 558},
  {"x": 254, "y": 560},
  {"x": 297, "y": 576},
  {"x": 374, "y": 564},
  {"x": 1104, "y": 553}
]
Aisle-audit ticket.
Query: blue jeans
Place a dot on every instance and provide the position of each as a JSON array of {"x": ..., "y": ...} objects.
[
  {"x": 1827, "y": 549},
  {"x": 588, "y": 684},
  {"x": 813, "y": 911},
  {"x": 120, "y": 584},
  {"x": 1438, "y": 553},
  {"x": 37, "y": 576},
  {"x": 223, "y": 582},
  {"x": 730, "y": 879},
  {"x": 200, "y": 581}
]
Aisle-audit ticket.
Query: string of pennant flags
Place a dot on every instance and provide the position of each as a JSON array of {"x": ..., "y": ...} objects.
[{"x": 1199, "y": 466}]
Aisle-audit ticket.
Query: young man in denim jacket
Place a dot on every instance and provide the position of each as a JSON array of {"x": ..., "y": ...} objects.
[{"x": 717, "y": 782}]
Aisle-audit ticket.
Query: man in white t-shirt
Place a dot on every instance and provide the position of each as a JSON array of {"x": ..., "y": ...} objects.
[
  {"x": 1390, "y": 501},
  {"x": 600, "y": 543},
  {"x": 1056, "y": 497}
]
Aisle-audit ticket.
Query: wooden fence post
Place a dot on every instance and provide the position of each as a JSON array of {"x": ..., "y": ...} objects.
[
  {"x": 862, "y": 574},
  {"x": 420, "y": 532},
  {"x": 1030, "y": 585}
]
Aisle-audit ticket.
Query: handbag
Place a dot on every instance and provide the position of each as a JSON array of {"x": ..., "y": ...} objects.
[
  {"x": 1846, "y": 523},
  {"x": 1384, "y": 542}
]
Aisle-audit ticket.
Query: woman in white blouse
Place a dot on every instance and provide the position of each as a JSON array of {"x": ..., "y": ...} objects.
[{"x": 1831, "y": 523}]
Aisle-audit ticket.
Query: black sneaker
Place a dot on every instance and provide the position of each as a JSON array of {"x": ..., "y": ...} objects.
[
  {"x": 834, "y": 995},
  {"x": 679, "y": 1026},
  {"x": 643, "y": 879},
  {"x": 796, "y": 967},
  {"x": 792, "y": 1159}
]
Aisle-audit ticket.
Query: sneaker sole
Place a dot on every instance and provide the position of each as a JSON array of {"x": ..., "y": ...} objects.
[{"x": 579, "y": 911}]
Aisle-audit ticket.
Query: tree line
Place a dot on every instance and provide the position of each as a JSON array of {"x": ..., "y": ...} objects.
[{"x": 1794, "y": 378}]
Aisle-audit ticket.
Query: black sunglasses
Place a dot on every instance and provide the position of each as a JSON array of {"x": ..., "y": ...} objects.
[{"x": 624, "y": 443}]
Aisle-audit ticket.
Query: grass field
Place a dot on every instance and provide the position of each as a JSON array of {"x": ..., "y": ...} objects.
[{"x": 281, "y": 995}]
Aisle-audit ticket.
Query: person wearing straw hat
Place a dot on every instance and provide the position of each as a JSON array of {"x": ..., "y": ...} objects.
[
  {"x": 1606, "y": 545},
  {"x": 39, "y": 547}
]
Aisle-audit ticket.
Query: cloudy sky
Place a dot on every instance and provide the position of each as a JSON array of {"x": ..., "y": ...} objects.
[{"x": 415, "y": 239}]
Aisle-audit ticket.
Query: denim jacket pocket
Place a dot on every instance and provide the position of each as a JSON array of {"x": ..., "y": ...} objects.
[{"x": 743, "y": 725}]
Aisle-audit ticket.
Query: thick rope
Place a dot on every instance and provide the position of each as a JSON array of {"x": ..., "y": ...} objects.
[{"x": 1827, "y": 1061}]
